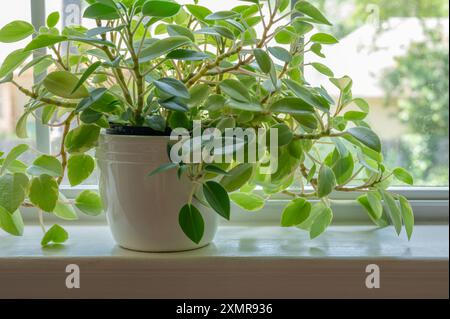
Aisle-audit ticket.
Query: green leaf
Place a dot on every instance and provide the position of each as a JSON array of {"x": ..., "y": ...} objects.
[
  {"x": 218, "y": 31},
  {"x": 101, "y": 11},
  {"x": 56, "y": 234},
  {"x": 44, "y": 192},
  {"x": 222, "y": 15},
  {"x": 79, "y": 168},
  {"x": 13, "y": 155},
  {"x": 286, "y": 35},
  {"x": 199, "y": 12},
  {"x": 91, "y": 69},
  {"x": 11, "y": 223},
  {"x": 64, "y": 210},
  {"x": 364, "y": 202},
  {"x": 177, "y": 30},
  {"x": 367, "y": 137},
  {"x": 62, "y": 83},
  {"x": 163, "y": 168},
  {"x": 285, "y": 134},
  {"x": 355, "y": 116},
  {"x": 291, "y": 105},
  {"x": 187, "y": 55},
  {"x": 217, "y": 197},
  {"x": 16, "y": 166},
  {"x": 263, "y": 59},
  {"x": 322, "y": 69},
  {"x": 309, "y": 98},
  {"x": 199, "y": 93},
  {"x": 249, "y": 202},
  {"x": 408, "y": 216},
  {"x": 46, "y": 164},
  {"x": 43, "y": 41},
  {"x": 53, "y": 19},
  {"x": 89, "y": 203},
  {"x": 191, "y": 222},
  {"x": 311, "y": 11},
  {"x": 12, "y": 62},
  {"x": 172, "y": 87},
  {"x": 235, "y": 89},
  {"x": 296, "y": 212},
  {"x": 13, "y": 191},
  {"x": 281, "y": 54},
  {"x": 15, "y": 31},
  {"x": 362, "y": 104},
  {"x": 160, "y": 9},
  {"x": 326, "y": 182},
  {"x": 343, "y": 84},
  {"x": 245, "y": 106},
  {"x": 403, "y": 175},
  {"x": 237, "y": 177},
  {"x": 161, "y": 47},
  {"x": 82, "y": 138},
  {"x": 301, "y": 27},
  {"x": 376, "y": 204},
  {"x": 215, "y": 102},
  {"x": 393, "y": 210},
  {"x": 321, "y": 223},
  {"x": 324, "y": 38}
]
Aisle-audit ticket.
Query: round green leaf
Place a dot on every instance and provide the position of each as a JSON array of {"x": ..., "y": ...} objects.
[
  {"x": 160, "y": 9},
  {"x": 44, "y": 41},
  {"x": 82, "y": 138},
  {"x": 222, "y": 15},
  {"x": 296, "y": 212},
  {"x": 11, "y": 223},
  {"x": 311, "y": 11},
  {"x": 291, "y": 105},
  {"x": 263, "y": 60},
  {"x": 89, "y": 203},
  {"x": 46, "y": 164},
  {"x": 172, "y": 87},
  {"x": 235, "y": 89},
  {"x": 217, "y": 197},
  {"x": 16, "y": 31},
  {"x": 324, "y": 38},
  {"x": 321, "y": 223},
  {"x": 13, "y": 190},
  {"x": 12, "y": 62},
  {"x": 326, "y": 181},
  {"x": 53, "y": 19},
  {"x": 161, "y": 47},
  {"x": 408, "y": 215},
  {"x": 250, "y": 202},
  {"x": 367, "y": 137},
  {"x": 101, "y": 11},
  {"x": 44, "y": 192},
  {"x": 322, "y": 69},
  {"x": 79, "y": 167},
  {"x": 56, "y": 234},
  {"x": 403, "y": 175},
  {"x": 64, "y": 210},
  {"x": 62, "y": 83},
  {"x": 13, "y": 155},
  {"x": 237, "y": 177},
  {"x": 191, "y": 222}
]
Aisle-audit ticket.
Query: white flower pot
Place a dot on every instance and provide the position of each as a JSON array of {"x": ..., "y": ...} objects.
[{"x": 142, "y": 211}]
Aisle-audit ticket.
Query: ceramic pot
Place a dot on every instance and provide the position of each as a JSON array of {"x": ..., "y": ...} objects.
[{"x": 142, "y": 211}]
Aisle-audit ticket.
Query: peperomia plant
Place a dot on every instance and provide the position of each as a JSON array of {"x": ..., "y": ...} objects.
[{"x": 162, "y": 65}]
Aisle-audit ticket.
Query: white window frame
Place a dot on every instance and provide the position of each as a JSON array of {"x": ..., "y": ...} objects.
[{"x": 430, "y": 204}]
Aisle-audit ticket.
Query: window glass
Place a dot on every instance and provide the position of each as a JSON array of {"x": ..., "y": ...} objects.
[{"x": 395, "y": 51}]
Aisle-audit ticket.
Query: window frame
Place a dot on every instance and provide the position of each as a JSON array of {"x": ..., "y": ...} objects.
[{"x": 430, "y": 203}]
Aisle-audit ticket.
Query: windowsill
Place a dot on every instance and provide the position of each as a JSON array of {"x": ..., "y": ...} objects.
[{"x": 243, "y": 262}]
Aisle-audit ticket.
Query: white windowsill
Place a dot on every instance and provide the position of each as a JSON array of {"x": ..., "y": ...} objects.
[{"x": 243, "y": 262}]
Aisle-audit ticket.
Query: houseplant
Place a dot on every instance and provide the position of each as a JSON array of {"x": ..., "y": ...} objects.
[{"x": 151, "y": 66}]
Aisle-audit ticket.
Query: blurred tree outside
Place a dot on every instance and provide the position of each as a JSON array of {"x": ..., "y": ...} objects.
[{"x": 420, "y": 84}]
